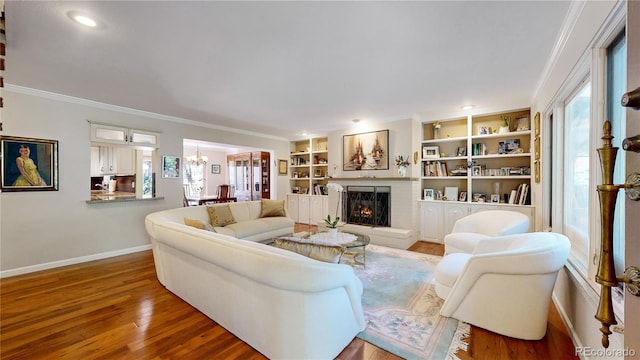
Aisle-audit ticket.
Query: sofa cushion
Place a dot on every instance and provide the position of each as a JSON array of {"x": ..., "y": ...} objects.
[
  {"x": 220, "y": 215},
  {"x": 271, "y": 208},
  {"x": 198, "y": 224},
  {"x": 315, "y": 250}
]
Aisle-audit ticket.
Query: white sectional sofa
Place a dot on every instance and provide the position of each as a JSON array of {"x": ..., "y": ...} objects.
[{"x": 283, "y": 304}]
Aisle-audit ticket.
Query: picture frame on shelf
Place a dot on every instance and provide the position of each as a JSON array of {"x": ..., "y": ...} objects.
[
  {"x": 476, "y": 170},
  {"x": 428, "y": 194},
  {"x": 215, "y": 168},
  {"x": 451, "y": 193},
  {"x": 462, "y": 151},
  {"x": 317, "y": 173},
  {"x": 463, "y": 196},
  {"x": 495, "y": 198},
  {"x": 430, "y": 152},
  {"x": 171, "y": 167},
  {"x": 484, "y": 130},
  {"x": 522, "y": 123},
  {"x": 39, "y": 160}
]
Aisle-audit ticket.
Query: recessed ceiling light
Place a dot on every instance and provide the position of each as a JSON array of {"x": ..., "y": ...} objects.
[
  {"x": 82, "y": 18},
  {"x": 355, "y": 121},
  {"x": 467, "y": 107},
  {"x": 304, "y": 133}
]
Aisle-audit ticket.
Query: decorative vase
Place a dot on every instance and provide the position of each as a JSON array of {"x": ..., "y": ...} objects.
[
  {"x": 402, "y": 171},
  {"x": 436, "y": 133},
  {"x": 333, "y": 233},
  {"x": 503, "y": 129}
]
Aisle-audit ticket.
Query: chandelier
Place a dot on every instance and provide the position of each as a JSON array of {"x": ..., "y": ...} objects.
[{"x": 197, "y": 159}]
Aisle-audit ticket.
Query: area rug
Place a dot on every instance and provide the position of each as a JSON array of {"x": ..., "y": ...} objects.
[{"x": 401, "y": 307}]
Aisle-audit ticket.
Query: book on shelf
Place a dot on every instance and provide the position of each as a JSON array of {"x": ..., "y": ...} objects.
[
  {"x": 435, "y": 168},
  {"x": 520, "y": 196}
]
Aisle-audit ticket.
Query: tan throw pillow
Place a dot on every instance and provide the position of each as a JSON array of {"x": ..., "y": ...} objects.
[
  {"x": 195, "y": 223},
  {"x": 326, "y": 253},
  {"x": 220, "y": 215},
  {"x": 272, "y": 208},
  {"x": 199, "y": 224}
]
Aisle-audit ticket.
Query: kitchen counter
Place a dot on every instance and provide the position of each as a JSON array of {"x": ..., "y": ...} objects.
[{"x": 99, "y": 196}]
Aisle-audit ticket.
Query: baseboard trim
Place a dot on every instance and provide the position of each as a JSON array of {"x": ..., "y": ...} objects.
[
  {"x": 72, "y": 261},
  {"x": 565, "y": 319}
]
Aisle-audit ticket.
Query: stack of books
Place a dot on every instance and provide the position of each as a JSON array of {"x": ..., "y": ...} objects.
[
  {"x": 520, "y": 196},
  {"x": 435, "y": 168}
]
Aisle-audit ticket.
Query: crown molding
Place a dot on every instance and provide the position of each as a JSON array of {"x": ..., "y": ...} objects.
[{"x": 100, "y": 105}]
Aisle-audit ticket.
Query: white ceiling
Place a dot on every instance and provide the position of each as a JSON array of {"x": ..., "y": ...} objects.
[{"x": 280, "y": 68}]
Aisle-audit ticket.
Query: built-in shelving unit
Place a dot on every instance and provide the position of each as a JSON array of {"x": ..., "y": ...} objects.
[
  {"x": 308, "y": 166},
  {"x": 479, "y": 155}
]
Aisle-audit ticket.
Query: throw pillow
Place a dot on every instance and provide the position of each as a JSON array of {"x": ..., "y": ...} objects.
[
  {"x": 220, "y": 215},
  {"x": 271, "y": 208},
  {"x": 326, "y": 253},
  {"x": 198, "y": 224},
  {"x": 195, "y": 223}
]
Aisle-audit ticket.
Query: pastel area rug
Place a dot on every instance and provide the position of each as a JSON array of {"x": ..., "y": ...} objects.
[{"x": 402, "y": 309}]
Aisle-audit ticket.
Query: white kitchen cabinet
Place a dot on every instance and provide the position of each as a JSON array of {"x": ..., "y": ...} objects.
[
  {"x": 109, "y": 160},
  {"x": 438, "y": 217},
  {"x": 101, "y": 133}
]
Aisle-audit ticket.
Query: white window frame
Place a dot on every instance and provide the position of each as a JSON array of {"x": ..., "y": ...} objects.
[{"x": 591, "y": 67}]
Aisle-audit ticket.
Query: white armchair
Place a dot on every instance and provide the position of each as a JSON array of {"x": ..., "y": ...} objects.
[
  {"x": 470, "y": 229},
  {"x": 505, "y": 286}
]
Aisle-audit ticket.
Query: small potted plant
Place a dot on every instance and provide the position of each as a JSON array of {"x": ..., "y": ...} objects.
[
  {"x": 402, "y": 165},
  {"x": 333, "y": 224},
  {"x": 504, "y": 128}
]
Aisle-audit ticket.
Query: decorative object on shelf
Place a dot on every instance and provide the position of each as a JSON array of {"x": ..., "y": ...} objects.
[
  {"x": 197, "y": 159},
  {"x": 436, "y": 130},
  {"x": 170, "y": 167},
  {"x": 377, "y": 145},
  {"x": 333, "y": 224},
  {"x": 430, "y": 152},
  {"x": 428, "y": 194},
  {"x": 504, "y": 127},
  {"x": 463, "y": 196},
  {"x": 522, "y": 123},
  {"x": 29, "y": 164},
  {"x": 451, "y": 193},
  {"x": 462, "y": 151},
  {"x": 484, "y": 130},
  {"x": 402, "y": 165},
  {"x": 215, "y": 168}
]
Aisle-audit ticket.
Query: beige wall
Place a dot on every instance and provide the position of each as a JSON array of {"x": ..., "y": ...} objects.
[{"x": 46, "y": 229}]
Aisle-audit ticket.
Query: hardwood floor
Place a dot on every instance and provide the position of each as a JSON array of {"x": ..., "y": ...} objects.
[{"x": 116, "y": 309}]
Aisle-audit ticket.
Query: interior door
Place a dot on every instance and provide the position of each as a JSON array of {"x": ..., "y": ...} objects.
[{"x": 632, "y": 228}]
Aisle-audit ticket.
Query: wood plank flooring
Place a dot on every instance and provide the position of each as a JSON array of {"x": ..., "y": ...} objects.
[{"x": 116, "y": 309}]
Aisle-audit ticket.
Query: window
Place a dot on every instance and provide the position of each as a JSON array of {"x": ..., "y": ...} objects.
[{"x": 576, "y": 170}]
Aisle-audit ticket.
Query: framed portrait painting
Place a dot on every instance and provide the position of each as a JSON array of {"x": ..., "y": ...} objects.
[{"x": 29, "y": 164}]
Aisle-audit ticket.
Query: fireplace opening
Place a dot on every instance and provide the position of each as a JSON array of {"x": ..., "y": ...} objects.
[{"x": 368, "y": 205}]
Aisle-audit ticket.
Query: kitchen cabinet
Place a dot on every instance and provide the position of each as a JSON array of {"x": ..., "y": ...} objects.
[
  {"x": 102, "y": 133},
  {"x": 437, "y": 218},
  {"x": 110, "y": 160}
]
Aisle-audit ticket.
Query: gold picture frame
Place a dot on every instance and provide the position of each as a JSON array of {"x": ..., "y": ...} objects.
[
  {"x": 28, "y": 164},
  {"x": 283, "y": 167}
]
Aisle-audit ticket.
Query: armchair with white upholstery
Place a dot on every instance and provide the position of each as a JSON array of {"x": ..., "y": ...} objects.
[
  {"x": 505, "y": 285},
  {"x": 470, "y": 229}
]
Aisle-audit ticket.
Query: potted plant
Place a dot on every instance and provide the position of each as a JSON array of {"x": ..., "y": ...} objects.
[{"x": 333, "y": 224}]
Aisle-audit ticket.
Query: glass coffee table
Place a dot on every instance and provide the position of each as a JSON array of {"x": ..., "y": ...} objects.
[{"x": 356, "y": 244}]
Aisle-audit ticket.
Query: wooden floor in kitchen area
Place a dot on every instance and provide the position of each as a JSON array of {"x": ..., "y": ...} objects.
[{"x": 115, "y": 308}]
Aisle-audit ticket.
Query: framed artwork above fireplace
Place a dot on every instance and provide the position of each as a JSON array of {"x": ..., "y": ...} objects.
[{"x": 366, "y": 151}]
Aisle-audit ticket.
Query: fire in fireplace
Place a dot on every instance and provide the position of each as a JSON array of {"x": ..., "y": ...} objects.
[{"x": 368, "y": 205}]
